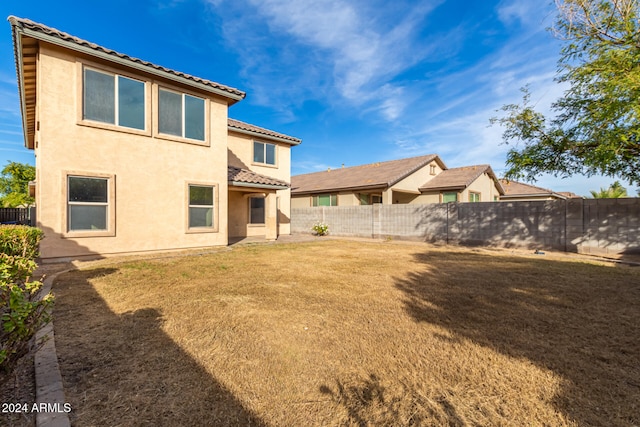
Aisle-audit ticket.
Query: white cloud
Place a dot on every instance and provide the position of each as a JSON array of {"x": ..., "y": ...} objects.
[
  {"x": 524, "y": 12},
  {"x": 331, "y": 46},
  {"x": 455, "y": 120}
]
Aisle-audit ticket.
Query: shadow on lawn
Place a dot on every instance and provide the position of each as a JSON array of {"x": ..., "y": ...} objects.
[
  {"x": 586, "y": 332},
  {"x": 370, "y": 403},
  {"x": 122, "y": 369}
]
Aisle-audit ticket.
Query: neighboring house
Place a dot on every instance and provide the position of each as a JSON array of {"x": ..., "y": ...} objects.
[
  {"x": 424, "y": 179},
  {"x": 514, "y": 191},
  {"x": 465, "y": 184},
  {"x": 395, "y": 181},
  {"x": 134, "y": 157}
]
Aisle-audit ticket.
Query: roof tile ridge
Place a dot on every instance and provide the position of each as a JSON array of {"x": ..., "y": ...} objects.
[
  {"x": 426, "y": 159},
  {"x": 36, "y": 26},
  {"x": 265, "y": 130},
  {"x": 528, "y": 185},
  {"x": 481, "y": 169}
]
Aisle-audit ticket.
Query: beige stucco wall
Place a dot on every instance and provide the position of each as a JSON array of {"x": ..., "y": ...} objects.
[
  {"x": 150, "y": 174},
  {"x": 348, "y": 199},
  {"x": 300, "y": 201},
  {"x": 423, "y": 175},
  {"x": 239, "y": 214},
  {"x": 426, "y": 198},
  {"x": 483, "y": 185}
]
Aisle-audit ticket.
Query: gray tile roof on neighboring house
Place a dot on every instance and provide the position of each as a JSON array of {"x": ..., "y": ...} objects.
[
  {"x": 53, "y": 35},
  {"x": 570, "y": 195},
  {"x": 516, "y": 189},
  {"x": 459, "y": 178},
  {"x": 247, "y": 178},
  {"x": 246, "y": 128},
  {"x": 374, "y": 175}
]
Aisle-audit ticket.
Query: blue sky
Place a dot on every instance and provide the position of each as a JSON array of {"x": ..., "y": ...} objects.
[{"x": 358, "y": 81}]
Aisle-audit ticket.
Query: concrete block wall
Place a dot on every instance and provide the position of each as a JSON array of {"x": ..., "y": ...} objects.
[
  {"x": 524, "y": 224},
  {"x": 611, "y": 225},
  {"x": 575, "y": 225}
]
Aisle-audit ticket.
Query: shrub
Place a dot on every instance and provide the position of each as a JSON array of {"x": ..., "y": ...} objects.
[
  {"x": 22, "y": 312},
  {"x": 20, "y": 241},
  {"x": 320, "y": 229}
]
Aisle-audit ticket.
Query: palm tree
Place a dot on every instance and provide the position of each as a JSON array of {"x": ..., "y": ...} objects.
[{"x": 615, "y": 191}]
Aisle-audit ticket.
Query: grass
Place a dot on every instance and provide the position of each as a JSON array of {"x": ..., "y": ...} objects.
[{"x": 351, "y": 333}]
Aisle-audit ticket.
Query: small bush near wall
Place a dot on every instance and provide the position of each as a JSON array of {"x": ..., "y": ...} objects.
[
  {"x": 320, "y": 229},
  {"x": 22, "y": 312}
]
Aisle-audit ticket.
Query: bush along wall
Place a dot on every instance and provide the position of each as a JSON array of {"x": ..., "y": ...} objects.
[{"x": 22, "y": 310}]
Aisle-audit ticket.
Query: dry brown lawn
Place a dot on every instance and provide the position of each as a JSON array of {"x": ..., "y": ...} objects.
[{"x": 337, "y": 332}]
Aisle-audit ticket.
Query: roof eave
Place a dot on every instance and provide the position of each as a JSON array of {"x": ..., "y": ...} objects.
[
  {"x": 338, "y": 190},
  {"x": 496, "y": 181},
  {"x": 435, "y": 158},
  {"x": 443, "y": 187},
  {"x": 264, "y": 135},
  {"x": 127, "y": 63},
  {"x": 17, "y": 49},
  {"x": 519, "y": 196},
  {"x": 253, "y": 185}
]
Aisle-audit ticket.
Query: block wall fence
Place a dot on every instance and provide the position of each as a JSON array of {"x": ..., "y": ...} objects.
[{"x": 598, "y": 226}]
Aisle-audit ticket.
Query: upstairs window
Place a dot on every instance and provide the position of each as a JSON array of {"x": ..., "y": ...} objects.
[
  {"x": 264, "y": 153},
  {"x": 113, "y": 99},
  {"x": 180, "y": 115}
]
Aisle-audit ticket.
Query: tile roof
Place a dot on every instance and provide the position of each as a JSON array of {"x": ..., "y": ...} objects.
[
  {"x": 458, "y": 178},
  {"x": 54, "y": 35},
  {"x": 374, "y": 175},
  {"x": 247, "y": 128},
  {"x": 570, "y": 195},
  {"x": 243, "y": 176},
  {"x": 519, "y": 189}
]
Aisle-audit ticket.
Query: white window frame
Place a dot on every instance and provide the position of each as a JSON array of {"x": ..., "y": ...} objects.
[
  {"x": 333, "y": 197},
  {"x": 182, "y": 135},
  {"x": 116, "y": 117},
  {"x": 450, "y": 192},
  {"x": 214, "y": 206},
  {"x": 264, "y": 153},
  {"x": 110, "y": 231}
]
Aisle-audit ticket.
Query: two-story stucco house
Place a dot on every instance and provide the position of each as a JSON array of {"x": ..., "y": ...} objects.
[{"x": 134, "y": 157}]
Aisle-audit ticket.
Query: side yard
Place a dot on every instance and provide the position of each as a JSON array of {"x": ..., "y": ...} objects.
[{"x": 336, "y": 332}]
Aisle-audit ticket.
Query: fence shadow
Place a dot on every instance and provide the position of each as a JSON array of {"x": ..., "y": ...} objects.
[
  {"x": 524, "y": 308},
  {"x": 123, "y": 369},
  {"x": 605, "y": 226}
]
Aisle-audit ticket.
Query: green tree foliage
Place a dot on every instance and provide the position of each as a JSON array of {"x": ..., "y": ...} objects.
[
  {"x": 14, "y": 185},
  {"x": 596, "y": 127},
  {"x": 615, "y": 191}
]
